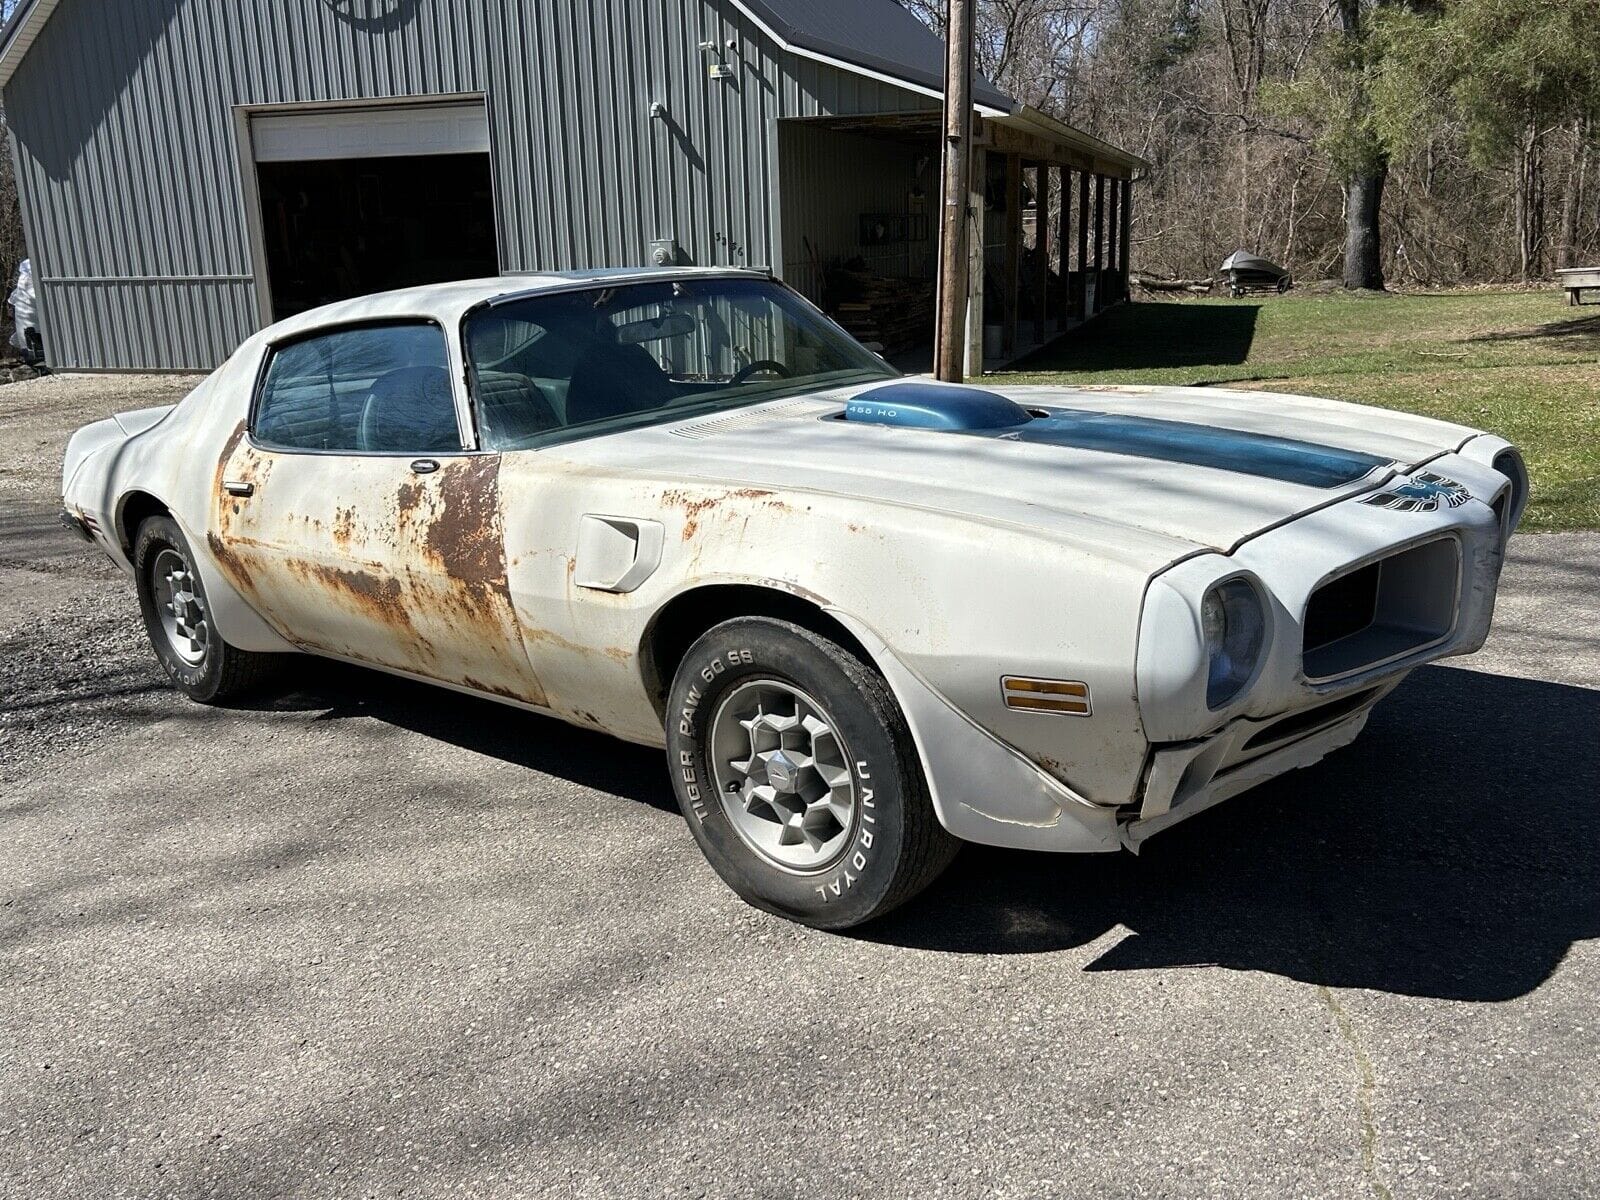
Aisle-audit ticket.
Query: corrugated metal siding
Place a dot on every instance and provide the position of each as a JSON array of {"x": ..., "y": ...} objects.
[{"x": 129, "y": 168}]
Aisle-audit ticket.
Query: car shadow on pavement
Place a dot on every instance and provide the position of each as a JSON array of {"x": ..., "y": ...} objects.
[
  {"x": 1450, "y": 852},
  {"x": 335, "y": 691}
]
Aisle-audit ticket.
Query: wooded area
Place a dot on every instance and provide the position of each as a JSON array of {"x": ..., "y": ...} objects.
[
  {"x": 1407, "y": 141},
  {"x": 12, "y": 247}
]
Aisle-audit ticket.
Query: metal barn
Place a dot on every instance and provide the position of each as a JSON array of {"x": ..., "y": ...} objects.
[{"x": 190, "y": 171}]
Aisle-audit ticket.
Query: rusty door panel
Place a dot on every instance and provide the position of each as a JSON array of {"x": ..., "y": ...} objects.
[{"x": 360, "y": 557}]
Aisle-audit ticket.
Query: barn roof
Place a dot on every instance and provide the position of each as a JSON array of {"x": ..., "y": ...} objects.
[
  {"x": 870, "y": 37},
  {"x": 879, "y": 37}
]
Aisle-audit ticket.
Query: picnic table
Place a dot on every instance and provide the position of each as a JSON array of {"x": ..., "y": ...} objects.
[{"x": 1577, "y": 280}]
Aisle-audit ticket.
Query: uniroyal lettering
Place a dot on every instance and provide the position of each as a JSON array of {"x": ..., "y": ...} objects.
[{"x": 865, "y": 836}]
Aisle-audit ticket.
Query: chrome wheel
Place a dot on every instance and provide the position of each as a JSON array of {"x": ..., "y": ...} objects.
[
  {"x": 783, "y": 774},
  {"x": 181, "y": 606}
]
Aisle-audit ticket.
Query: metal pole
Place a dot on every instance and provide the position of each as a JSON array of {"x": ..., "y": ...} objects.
[{"x": 949, "y": 348}]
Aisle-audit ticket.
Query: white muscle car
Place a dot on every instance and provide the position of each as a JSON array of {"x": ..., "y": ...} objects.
[{"x": 868, "y": 617}]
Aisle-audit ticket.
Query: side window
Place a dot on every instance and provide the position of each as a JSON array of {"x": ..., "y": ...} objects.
[{"x": 368, "y": 389}]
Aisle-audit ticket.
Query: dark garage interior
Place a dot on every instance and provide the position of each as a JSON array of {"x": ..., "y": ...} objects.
[{"x": 347, "y": 227}]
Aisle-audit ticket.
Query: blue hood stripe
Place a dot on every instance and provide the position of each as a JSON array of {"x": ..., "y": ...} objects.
[{"x": 1259, "y": 454}]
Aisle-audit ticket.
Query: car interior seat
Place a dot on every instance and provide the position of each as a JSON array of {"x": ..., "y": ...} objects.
[
  {"x": 411, "y": 410},
  {"x": 615, "y": 379},
  {"x": 512, "y": 408}
]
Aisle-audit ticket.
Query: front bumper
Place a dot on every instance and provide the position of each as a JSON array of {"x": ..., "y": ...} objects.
[{"x": 1186, "y": 779}]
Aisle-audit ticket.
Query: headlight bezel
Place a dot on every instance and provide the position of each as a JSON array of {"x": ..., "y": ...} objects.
[{"x": 1240, "y": 651}]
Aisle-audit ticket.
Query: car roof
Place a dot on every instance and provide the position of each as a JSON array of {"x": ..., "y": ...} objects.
[{"x": 448, "y": 302}]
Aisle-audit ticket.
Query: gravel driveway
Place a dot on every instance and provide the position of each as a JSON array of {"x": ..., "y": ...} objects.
[{"x": 366, "y": 938}]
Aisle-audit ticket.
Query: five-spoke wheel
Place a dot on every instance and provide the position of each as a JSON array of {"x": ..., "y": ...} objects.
[
  {"x": 179, "y": 621},
  {"x": 783, "y": 774},
  {"x": 181, "y": 604},
  {"x": 798, "y": 775}
]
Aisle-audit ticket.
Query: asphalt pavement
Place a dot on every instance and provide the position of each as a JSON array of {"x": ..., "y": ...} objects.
[{"x": 366, "y": 938}]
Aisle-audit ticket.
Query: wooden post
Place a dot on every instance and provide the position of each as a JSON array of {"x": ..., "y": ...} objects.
[
  {"x": 1112, "y": 226},
  {"x": 1064, "y": 247},
  {"x": 1013, "y": 248},
  {"x": 1127, "y": 229},
  {"x": 949, "y": 349},
  {"x": 1099, "y": 241},
  {"x": 977, "y": 257},
  {"x": 1112, "y": 192},
  {"x": 1041, "y": 247},
  {"x": 1083, "y": 245}
]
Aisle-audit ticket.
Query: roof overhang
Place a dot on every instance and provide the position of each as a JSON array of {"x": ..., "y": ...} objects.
[
  {"x": 17, "y": 36},
  {"x": 988, "y": 99},
  {"x": 1028, "y": 134},
  {"x": 1041, "y": 124}
]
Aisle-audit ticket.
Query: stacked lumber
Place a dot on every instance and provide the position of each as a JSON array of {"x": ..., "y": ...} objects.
[
  {"x": 1153, "y": 284},
  {"x": 897, "y": 313}
]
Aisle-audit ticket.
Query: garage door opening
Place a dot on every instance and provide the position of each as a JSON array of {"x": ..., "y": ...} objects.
[{"x": 354, "y": 202}]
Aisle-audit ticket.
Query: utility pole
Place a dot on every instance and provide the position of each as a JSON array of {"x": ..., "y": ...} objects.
[{"x": 949, "y": 347}]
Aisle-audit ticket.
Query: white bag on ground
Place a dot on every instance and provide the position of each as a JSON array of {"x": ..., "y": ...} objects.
[{"x": 24, "y": 310}]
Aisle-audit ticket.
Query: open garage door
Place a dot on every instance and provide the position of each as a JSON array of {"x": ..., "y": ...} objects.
[{"x": 367, "y": 199}]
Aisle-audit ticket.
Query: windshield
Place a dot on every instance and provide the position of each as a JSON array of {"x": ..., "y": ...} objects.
[{"x": 579, "y": 363}]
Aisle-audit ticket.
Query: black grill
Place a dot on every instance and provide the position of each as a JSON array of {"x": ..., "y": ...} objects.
[
  {"x": 1345, "y": 606},
  {"x": 1383, "y": 611}
]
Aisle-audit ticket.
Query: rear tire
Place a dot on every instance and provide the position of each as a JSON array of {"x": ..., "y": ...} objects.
[
  {"x": 798, "y": 777},
  {"x": 177, "y": 619}
]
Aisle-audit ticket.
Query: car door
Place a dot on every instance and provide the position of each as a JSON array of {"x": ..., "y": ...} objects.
[{"x": 352, "y": 516}]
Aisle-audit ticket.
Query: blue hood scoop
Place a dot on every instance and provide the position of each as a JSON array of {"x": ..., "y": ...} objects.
[
  {"x": 977, "y": 413},
  {"x": 935, "y": 406}
]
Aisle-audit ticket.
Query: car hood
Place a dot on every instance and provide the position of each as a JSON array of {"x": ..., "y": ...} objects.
[{"x": 1148, "y": 472}]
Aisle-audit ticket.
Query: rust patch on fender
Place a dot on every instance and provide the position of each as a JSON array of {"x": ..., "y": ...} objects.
[
  {"x": 229, "y": 448},
  {"x": 232, "y": 565},
  {"x": 695, "y": 505}
]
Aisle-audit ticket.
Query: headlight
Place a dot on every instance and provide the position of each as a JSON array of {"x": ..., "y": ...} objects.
[{"x": 1235, "y": 629}]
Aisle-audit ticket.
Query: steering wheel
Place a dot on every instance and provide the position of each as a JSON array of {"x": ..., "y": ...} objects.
[{"x": 743, "y": 374}]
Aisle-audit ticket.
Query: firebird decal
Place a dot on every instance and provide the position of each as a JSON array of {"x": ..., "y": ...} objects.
[{"x": 1422, "y": 493}]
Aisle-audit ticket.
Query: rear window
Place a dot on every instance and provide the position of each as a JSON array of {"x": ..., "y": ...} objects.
[{"x": 374, "y": 389}]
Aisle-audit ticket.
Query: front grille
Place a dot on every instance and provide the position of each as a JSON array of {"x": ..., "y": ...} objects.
[{"x": 1382, "y": 611}]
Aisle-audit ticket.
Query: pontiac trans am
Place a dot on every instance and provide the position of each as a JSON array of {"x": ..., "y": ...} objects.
[{"x": 868, "y": 617}]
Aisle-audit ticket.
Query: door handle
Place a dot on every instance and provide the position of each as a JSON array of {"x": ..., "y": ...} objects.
[
  {"x": 425, "y": 466},
  {"x": 238, "y": 487}
]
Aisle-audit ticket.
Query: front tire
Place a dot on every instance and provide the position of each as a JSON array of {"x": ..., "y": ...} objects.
[
  {"x": 798, "y": 777},
  {"x": 177, "y": 619}
]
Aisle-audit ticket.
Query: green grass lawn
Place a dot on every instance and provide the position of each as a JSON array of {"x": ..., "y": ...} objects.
[{"x": 1520, "y": 364}]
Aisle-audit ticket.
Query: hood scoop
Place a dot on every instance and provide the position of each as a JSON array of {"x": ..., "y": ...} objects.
[
  {"x": 936, "y": 406},
  {"x": 973, "y": 411}
]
